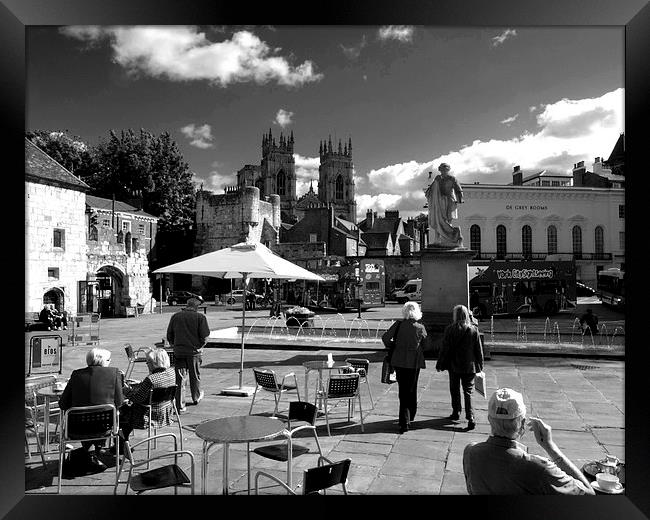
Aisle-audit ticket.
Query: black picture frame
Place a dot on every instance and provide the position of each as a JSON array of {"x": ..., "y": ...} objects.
[{"x": 634, "y": 15}]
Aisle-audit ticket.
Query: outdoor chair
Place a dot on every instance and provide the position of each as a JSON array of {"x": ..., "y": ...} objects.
[
  {"x": 137, "y": 356},
  {"x": 299, "y": 412},
  {"x": 158, "y": 397},
  {"x": 361, "y": 366},
  {"x": 169, "y": 475},
  {"x": 90, "y": 423},
  {"x": 32, "y": 426},
  {"x": 339, "y": 387},
  {"x": 267, "y": 380},
  {"x": 37, "y": 402},
  {"x": 315, "y": 480}
]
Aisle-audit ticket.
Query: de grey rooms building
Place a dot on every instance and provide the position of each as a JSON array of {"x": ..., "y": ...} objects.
[{"x": 538, "y": 222}]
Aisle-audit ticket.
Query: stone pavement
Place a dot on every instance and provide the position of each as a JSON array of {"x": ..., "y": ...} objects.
[{"x": 582, "y": 399}]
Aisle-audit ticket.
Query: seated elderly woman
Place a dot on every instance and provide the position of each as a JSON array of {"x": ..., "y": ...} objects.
[{"x": 133, "y": 415}]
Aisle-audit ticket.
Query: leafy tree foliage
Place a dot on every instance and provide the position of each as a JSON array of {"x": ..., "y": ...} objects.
[{"x": 68, "y": 150}]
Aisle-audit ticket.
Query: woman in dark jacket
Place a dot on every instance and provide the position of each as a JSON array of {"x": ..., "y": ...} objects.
[
  {"x": 404, "y": 340},
  {"x": 462, "y": 355}
]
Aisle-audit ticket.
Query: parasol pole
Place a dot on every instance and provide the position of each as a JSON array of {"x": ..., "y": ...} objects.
[{"x": 243, "y": 321}]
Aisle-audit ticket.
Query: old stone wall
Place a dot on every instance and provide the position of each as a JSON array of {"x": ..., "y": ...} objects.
[{"x": 48, "y": 208}]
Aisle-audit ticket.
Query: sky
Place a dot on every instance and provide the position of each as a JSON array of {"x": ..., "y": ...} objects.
[{"x": 410, "y": 97}]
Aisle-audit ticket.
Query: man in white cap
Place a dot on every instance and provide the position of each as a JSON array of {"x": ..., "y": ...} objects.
[{"x": 502, "y": 466}]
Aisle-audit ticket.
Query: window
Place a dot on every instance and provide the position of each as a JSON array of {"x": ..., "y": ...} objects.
[
  {"x": 546, "y": 183},
  {"x": 141, "y": 229},
  {"x": 599, "y": 242},
  {"x": 281, "y": 182},
  {"x": 501, "y": 242},
  {"x": 527, "y": 242},
  {"x": 120, "y": 237},
  {"x": 475, "y": 239},
  {"x": 106, "y": 222},
  {"x": 127, "y": 243},
  {"x": 555, "y": 183},
  {"x": 92, "y": 234},
  {"x": 551, "y": 240},
  {"x": 621, "y": 211},
  {"x": 338, "y": 188},
  {"x": 126, "y": 226},
  {"x": 53, "y": 273},
  {"x": 621, "y": 240},
  {"x": 58, "y": 238},
  {"x": 576, "y": 235},
  {"x": 312, "y": 237}
]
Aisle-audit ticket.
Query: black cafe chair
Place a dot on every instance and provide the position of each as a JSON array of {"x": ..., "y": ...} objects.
[{"x": 316, "y": 480}]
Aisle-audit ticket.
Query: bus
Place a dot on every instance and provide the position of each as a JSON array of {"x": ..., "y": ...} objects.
[
  {"x": 610, "y": 287},
  {"x": 506, "y": 288},
  {"x": 340, "y": 290}
]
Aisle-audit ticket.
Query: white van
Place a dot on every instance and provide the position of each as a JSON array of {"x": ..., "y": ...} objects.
[{"x": 412, "y": 291}]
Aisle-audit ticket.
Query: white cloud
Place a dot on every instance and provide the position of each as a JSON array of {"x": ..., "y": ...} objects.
[
  {"x": 508, "y": 33},
  {"x": 306, "y": 172},
  {"x": 401, "y": 33},
  {"x": 217, "y": 181},
  {"x": 354, "y": 51},
  {"x": 182, "y": 53},
  {"x": 283, "y": 117},
  {"x": 509, "y": 120},
  {"x": 200, "y": 136},
  {"x": 567, "y": 131}
]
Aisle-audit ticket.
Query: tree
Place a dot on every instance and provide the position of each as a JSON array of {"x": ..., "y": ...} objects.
[{"x": 69, "y": 151}]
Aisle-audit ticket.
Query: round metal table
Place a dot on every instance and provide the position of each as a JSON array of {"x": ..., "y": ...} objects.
[
  {"x": 49, "y": 393},
  {"x": 241, "y": 428}
]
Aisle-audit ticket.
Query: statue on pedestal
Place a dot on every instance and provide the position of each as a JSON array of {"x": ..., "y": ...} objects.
[{"x": 443, "y": 196}]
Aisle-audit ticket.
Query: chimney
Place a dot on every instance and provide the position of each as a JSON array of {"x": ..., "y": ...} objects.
[
  {"x": 517, "y": 176},
  {"x": 370, "y": 220}
]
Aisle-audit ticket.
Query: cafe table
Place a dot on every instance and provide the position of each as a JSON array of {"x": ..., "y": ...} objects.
[
  {"x": 237, "y": 429},
  {"x": 48, "y": 393},
  {"x": 320, "y": 365}
]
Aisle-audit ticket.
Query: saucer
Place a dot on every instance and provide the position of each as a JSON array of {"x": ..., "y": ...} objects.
[{"x": 615, "y": 491}]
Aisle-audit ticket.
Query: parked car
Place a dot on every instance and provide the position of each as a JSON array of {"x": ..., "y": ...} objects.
[
  {"x": 584, "y": 290},
  {"x": 236, "y": 297},
  {"x": 181, "y": 297}
]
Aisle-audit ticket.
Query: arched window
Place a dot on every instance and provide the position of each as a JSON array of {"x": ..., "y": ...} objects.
[
  {"x": 120, "y": 237},
  {"x": 599, "y": 242},
  {"x": 475, "y": 239},
  {"x": 281, "y": 182},
  {"x": 127, "y": 243},
  {"x": 93, "y": 233},
  {"x": 551, "y": 240},
  {"x": 527, "y": 242},
  {"x": 501, "y": 242},
  {"x": 338, "y": 188},
  {"x": 576, "y": 234},
  {"x": 260, "y": 185}
]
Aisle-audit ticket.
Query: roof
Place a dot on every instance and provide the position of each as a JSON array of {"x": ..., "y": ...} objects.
[
  {"x": 545, "y": 173},
  {"x": 122, "y": 207},
  {"x": 349, "y": 226},
  {"x": 376, "y": 240},
  {"x": 618, "y": 152},
  {"x": 41, "y": 168}
]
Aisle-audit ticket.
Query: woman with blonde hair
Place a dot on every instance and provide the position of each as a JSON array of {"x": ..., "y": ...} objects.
[
  {"x": 404, "y": 341},
  {"x": 462, "y": 355}
]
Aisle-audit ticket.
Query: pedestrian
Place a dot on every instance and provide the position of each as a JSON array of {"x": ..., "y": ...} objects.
[
  {"x": 96, "y": 384},
  {"x": 188, "y": 332},
  {"x": 501, "y": 465},
  {"x": 589, "y": 321},
  {"x": 462, "y": 355},
  {"x": 60, "y": 318},
  {"x": 46, "y": 317},
  {"x": 404, "y": 340}
]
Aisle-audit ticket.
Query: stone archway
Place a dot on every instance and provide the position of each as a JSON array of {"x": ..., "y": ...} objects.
[
  {"x": 110, "y": 291},
  {"x": 56, "y": 296}
]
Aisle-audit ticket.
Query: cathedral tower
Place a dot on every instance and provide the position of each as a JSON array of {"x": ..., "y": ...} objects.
[
  {"x": 278, "y": 173},
  {"x": 336, "y": 179}
]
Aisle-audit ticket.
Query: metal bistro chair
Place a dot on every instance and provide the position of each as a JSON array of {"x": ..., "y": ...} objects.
[
  {"x": 137, "y": 356},
  {"x": 37, "y": 403},
  {"x": 169, "y": 475},
  {"x": 315, "y": 480},
  {"x": 90, "y": 423},
  {"x": 32, "y": 426},
  {"x": 341, "y": 386},
  {"x": 266, "y": 380},
  {"x": 159, "y": 396},
  {"x": 301, "y": 412},
  {"x": 361, "y": 366}
]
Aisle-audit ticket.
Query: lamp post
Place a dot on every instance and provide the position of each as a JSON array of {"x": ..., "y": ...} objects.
[{"x": 358, "y": 287}]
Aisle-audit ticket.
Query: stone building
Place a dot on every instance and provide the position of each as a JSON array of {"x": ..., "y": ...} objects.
[
  {"x": 83, "y": 253},
  {"x": 55, "y": 232},
  {"x": 121, "y": 238},
  {"x": 336, "y": 179},
  {"x": 404, "y": 238}
]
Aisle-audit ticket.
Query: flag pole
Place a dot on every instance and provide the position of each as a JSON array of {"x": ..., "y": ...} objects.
[{"x": 243, "y": 322}]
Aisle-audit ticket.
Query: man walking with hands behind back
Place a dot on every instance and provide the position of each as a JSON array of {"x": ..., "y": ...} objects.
[
  {"x": 187, "y": 332},
  {"x": 502, "y": 466}
]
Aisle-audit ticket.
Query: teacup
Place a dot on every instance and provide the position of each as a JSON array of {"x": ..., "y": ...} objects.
[
  {"x": 607, "y": 481},
  {"x": 59, "y": 386}
]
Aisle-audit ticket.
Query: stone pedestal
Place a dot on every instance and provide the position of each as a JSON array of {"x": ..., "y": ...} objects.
[{"x": 445, "y": 284}]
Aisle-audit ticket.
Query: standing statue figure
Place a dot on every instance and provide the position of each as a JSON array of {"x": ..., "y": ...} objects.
[{"x": 443, "y": 195}]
